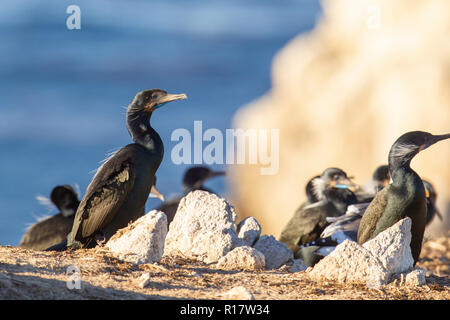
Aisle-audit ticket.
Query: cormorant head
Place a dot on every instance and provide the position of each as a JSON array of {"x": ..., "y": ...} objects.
[
  {"x": 430, "y": 192},
  {"x": 332, "y": 178},
  {"x": 309, "y": 190},
  {"x": 65, "y": 199},
  {"x": 381, "y": 177},
  {"x": 410, "y": 144},
  {"x": 194, "y": 177},
  {"x": 152, "y": 99}
]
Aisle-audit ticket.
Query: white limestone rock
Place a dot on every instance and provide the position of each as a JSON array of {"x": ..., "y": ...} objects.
[
  {"x": 238, "y": 293},
  {"x": 416, "y": 277},
  {"x": 275, "y": 253},
  {"x": 374, "y": 262},
  {"x": 142, "y": 241},
  {"x": 297, "y": 265},
  {"x": 242, "y": 258},
  {"x": 392, "y": 247},
  {"x": 249, "y": 231},
  {"x": 203, "y": 228},
  {"x": 350, "y": 262}
]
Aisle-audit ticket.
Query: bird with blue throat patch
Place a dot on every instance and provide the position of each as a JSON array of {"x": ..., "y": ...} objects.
[
  {"x": 119, "y": 190},
  {"x": 404, "y": 196},
  {"x": 193, "y": 179},
  {"x": 346, "y": 227},
  {"x": 52, "y": 230},
  {"x": 334, "y": 192}
]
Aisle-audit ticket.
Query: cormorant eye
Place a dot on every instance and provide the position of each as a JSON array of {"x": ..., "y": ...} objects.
[
  {"x": 154, "y": 96},
  {"x": 336, "y": 177}
]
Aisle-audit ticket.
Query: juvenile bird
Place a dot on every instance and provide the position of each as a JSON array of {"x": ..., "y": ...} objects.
[{"x": 332, "y": 189}]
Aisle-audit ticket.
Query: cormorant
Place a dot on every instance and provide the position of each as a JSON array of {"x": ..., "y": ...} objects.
[
  {"x": 380, "y": 179},
  {"x": 193, "y": 179},
  {"x": 310, "y": 193},
  {"x": 431, "y": 195},
  {"x": 345, "y": 227},
  {"x": 404, "y": 196},
  {"x": 332, "y": 189},
  {"x": 54, "y": 229},
  {"x": 117, "y": 194}
]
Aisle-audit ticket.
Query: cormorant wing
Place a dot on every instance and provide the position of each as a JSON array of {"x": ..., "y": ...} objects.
[
  {"x": 347, "y": 222},
  {"x": 304, "y": 226},
  {"x": 104, "y": 196},
  {"x": 46, "y": 233},
  {"x": 170, "y": 208},
  {"x": 372, "y": 215}
]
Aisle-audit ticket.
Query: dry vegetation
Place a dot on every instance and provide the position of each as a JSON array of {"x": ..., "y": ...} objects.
[{"x": 26, "y": 274}]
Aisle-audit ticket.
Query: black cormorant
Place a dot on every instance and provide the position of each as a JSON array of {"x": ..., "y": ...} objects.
[
  {"x": 54, "y": 229},
  {"x": 117, "y": 194},
  {"x": 332, "y": 189},
  {"x": 431, "y": 195},
  {"x": 345, "y": 227},
  {"x": 404, "y": 196},
  {"x": 193, "y": 179}
]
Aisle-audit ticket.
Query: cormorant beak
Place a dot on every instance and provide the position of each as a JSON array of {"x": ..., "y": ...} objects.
[
  {"x": 154, "y": 193},
  {"x": 438, "y": 214},
  {"x": 433, "y": 139},
  {"x": 344, "y": 183},
  {"x": 168, "y": 98},
  {"x": 217, "y": 173}
]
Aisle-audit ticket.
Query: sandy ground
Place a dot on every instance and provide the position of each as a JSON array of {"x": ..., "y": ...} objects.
[{"x": 26, "y": 274}]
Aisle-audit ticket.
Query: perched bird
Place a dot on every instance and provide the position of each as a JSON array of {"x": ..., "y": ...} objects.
[
  {"x": 117, "y": 194},
  {"x": 310, "y": 193},
  {"x": 404, "y": 196},
  {"x": 333, "y": 190},
  {"x": 193, "y": 179},
  {"x": 54, "y": 229},
  {"x": 346, "y": 227},
  {"x": 431, "y": 195},
  {"x": 380, "y": 179}
]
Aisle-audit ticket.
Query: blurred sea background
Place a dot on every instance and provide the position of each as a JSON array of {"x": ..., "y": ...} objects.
[{"x": 63, "y": 92}]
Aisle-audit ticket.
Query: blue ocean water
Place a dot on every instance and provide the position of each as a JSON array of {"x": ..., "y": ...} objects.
[{"x": 63, "y": 92}]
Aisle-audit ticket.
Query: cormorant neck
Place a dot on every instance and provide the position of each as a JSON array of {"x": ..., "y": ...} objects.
[
  {"x": 141, "y": 132},
  {"x": 400, "y": 157}
]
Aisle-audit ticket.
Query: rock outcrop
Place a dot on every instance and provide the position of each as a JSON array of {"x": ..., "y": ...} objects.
[
  {"x": 142, "y": 241},
  {"x": 275, "y": 253},
  {"x": 374, "y": 263},
  {"x": 204, "y": 228},
  {"x": 242, "y": 258},
  {"x": 249, "y": 231}
]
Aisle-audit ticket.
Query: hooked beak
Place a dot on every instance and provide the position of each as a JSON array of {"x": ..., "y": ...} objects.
[
  {"x": 434, "y": 139},
  {"x": 168, "y": 98},
  {"x": 217, "y": 173},
  {"x": 154, "y": 193}
]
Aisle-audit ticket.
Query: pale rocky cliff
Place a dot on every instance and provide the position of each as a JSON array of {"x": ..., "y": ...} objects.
[{"x": 342, "y": 94}]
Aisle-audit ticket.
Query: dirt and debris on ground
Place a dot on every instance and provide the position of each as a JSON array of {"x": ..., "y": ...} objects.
[{"x": 26, "y": 274}]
